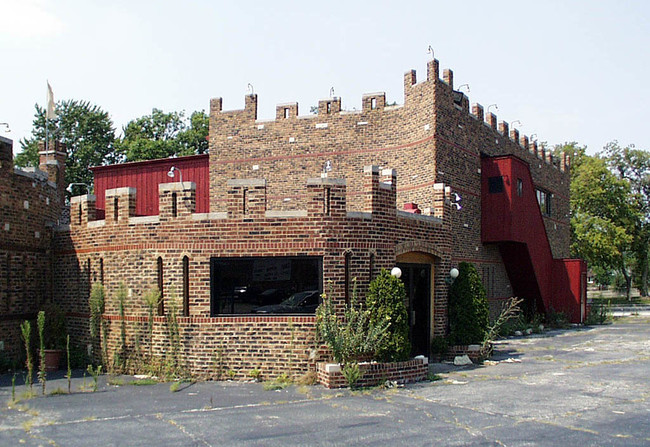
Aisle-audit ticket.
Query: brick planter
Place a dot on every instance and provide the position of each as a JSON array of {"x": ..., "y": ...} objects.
[
  {"x": 474, "y": 352},
  {"x": 330, "y": 374}
]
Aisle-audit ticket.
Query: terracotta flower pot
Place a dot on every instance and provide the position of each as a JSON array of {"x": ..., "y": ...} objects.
[{"x": 53, "y": 359}]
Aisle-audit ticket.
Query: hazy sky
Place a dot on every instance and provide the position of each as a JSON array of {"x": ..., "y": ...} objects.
[{"x": 568, "y": 70}]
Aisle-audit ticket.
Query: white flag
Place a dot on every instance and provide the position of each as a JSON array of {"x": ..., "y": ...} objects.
[{"x": 50, "y": 114}]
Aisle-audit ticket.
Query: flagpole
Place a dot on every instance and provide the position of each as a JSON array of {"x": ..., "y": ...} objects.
[{"x": 47, "y": 135}]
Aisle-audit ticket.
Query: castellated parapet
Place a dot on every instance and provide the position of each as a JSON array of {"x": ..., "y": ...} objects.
[
  {"x": 145, "y": 250},
  {"x": 434, "y": 136}
]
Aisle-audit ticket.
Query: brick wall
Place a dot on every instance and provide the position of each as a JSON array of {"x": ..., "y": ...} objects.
[
  {"x": 30, "y": 205},
  {"x": 330, "y": 375},
  {"x": 433, "y": 137},
  {"x": 126, "y": 249}
]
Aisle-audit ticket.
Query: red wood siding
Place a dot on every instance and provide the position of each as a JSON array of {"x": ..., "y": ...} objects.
[{"x": 145, "y": 176}]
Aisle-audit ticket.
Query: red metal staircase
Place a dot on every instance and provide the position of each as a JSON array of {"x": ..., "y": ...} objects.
[{"x": 511, "y": 218}]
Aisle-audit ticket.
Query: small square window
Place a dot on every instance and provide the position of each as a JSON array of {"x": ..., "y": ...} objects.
[{"x": 495, "y": 185}]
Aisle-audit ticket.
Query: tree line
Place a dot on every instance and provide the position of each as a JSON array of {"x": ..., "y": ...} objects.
[
  {"x": 610, "y": 212},
  {"x": 91, "y": 140}
]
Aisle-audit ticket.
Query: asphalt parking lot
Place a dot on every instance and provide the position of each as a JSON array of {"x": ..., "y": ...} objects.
[{"x": 586, "y": 386}]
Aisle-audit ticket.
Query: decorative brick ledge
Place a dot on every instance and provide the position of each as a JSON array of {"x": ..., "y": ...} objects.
[{"x": 330, "y": 374}]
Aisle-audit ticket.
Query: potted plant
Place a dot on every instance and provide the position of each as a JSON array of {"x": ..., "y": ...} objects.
[{"x": 54, "y": 336}]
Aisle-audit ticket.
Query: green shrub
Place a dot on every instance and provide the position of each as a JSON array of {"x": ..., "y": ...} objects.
[
  {"x": 468, "y": 307},
  {"x": 352, "y": 373},
  {"x": 385, "y": 302},
  {"x": 599, "y": 314},
  {"x": 439, "y": 345},
  {"x": 54, "y": 330},
  {"x": 351, "y": 336},
  {"x": 557, "y": 320}
]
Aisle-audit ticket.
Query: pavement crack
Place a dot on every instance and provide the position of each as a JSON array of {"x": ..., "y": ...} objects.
[{"x": 183, "y": 430}]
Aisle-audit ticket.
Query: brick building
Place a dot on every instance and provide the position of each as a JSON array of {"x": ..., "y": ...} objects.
[
  {"x": 30, "y": 207},
  {"x": 299, "y": 205}
]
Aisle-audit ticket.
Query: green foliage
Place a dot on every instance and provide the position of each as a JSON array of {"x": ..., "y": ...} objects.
[
  {"x": 439, "y": 345},
  {"x": 468, "y": 307},
  {"x": 26, "y": 333},
  {"x": 54, "y": 330},
  {"x": 352, "y": 336},
  {"x": 600, "y": 313},
  {"x": 119, "y": 360},
  {"x": 556, "y": 320},
  {"x": 279, "y": 383},
  {"x": 610, "y": 205},
  {"x": 633, "y": 165},
  {"x": 173, "y": 365},
  {"x": 509, "y": 311},
  {"x": 255, "y": 374},
  {"x": 433, "y": 377},
  {"x": 151, "y": 299},
  {"x": 162, "y": 135},
  {"x": 352, "y": 373},
  {"x": 96, "y": 302},
  {"x": 40, "y": 324},
  {"x": 385, "y": 302},
  {"x": 95, "y": 372},
  {"x": 86, "y": 130}
]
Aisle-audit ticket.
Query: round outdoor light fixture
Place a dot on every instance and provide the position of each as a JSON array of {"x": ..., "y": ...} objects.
[
  {"x": 453, "y": 273},
  {"x": 396, "y": 272}
]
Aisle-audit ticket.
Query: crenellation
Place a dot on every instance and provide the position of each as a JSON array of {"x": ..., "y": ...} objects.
[
  {"x": 492, "y": 121},
  {"x": 250, "y": 108},
  {"x": 504, "y": 128},
  {"x": 433, "y": 69},
  {"x": 373, "y": 101},
  {"x": 216, "y": 105},
  {"x": 82, "y": 209},
  {"x": 477, "y": 111},
  {"x": 176, "y": 200},
  {"x": 120, "y": 205},
  {"x": 514, "y": 136},
  {"x": 329, "y": 106},
  {"x": 327, "y": 197},
  {"x": 448, "y": 77},
  {"x": 246, "y": 198},
  {"x": 523, "y": 142},
  {"x": 286, "y": 111},
  {"x": 410, "y": 79}
]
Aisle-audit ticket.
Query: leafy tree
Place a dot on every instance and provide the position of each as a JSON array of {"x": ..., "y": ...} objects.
[
  {"x": 85, "y": 129},
  {"x": 385, "y": 301},
  {"x": 602, "y": 220},
  {"x": 162, "y": 135},
  {"x": 469, "y": 313},
  {"x": 633, "y": 165}
]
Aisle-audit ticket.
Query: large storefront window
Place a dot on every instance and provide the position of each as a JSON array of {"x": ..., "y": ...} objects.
[{"x": 271, "y": 285}]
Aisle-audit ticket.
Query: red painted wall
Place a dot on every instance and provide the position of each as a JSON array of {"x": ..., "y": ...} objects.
[
  {"x": 516, "y": 225},
  {"x": 145, "y": 177}
]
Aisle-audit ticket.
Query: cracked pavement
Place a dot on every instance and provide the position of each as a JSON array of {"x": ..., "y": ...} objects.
[{"x": 587, "y": 386}]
